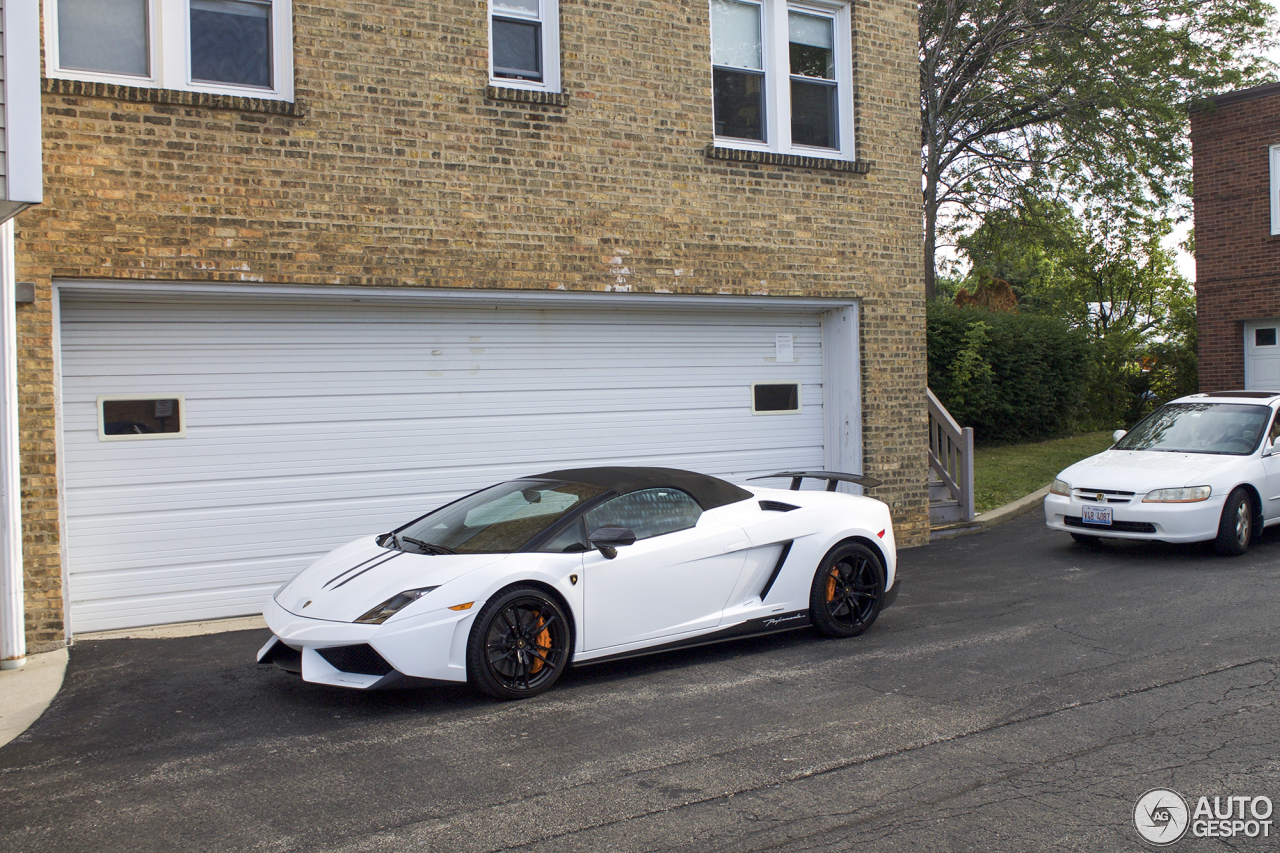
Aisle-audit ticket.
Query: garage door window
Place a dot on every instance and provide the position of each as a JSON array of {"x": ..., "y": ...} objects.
[
  {"x": 775, "y": 398},
  {"x": 1264, "y": 337},
  {"x": 128, "y": 417}
]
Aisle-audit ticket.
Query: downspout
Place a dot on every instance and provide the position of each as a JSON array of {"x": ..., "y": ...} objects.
[{"x": 13, "y": 640}]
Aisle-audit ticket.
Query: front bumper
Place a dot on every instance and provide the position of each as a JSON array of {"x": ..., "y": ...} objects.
[
  {"x": 428, "y": 648},
  {"x": 1165, "y": 522}
]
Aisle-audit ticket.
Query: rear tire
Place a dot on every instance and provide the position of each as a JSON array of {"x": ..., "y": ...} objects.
[
  {"x": 847, "y": 591},
  {"x": 1235, "y": 530}
]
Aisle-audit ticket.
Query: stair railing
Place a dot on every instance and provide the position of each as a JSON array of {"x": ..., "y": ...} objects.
[{"x": 951, "y": 454}]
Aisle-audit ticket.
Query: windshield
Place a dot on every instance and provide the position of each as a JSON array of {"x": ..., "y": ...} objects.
[
  {"x": 1226, "y": 428},
  {"x": 497, "y": 520}
]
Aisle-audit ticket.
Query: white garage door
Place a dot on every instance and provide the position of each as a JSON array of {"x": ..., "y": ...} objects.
[{"x": 307, "y": 425}]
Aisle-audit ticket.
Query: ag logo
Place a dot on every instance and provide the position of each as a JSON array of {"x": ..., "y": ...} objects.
[{"x": 1161, "y": 816}]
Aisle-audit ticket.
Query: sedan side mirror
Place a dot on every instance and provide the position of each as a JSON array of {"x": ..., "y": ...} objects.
[
  {"x": 610, "y": 539},
  {"x": 1271, "y": 448},
  {"x": 1117, "y": 435}
]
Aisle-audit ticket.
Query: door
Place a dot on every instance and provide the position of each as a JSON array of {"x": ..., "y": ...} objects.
[
  {"x": 675, "y": 579},
  {"x": 1262, "y": 355}
]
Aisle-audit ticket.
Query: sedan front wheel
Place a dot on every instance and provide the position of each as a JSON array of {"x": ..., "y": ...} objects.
[{"x": 1236, "y": 527}]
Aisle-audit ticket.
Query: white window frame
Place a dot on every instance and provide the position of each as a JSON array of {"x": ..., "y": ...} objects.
[
  {"x": 549, "y": 17},
  {"x": 169, "y": 42},
  {"x": 1274, "y": 158},
  {"x": 775, "y": 34},
  {"x": 145, "y": 436}
]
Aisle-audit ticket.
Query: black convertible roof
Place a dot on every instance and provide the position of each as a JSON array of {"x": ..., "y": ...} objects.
[{"x": 709, "y": 492}]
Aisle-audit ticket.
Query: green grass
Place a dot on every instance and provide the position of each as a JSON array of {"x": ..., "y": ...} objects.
[{"x": 1006, "y": 473}]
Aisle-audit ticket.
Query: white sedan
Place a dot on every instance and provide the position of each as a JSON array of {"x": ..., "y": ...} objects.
[
  {"x": 506, "y": 587},
  {"x": 1204, "y": 467}
]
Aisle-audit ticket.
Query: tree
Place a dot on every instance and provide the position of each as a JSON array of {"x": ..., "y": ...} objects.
[
  {"x": 1111, "y": 279},
  {"x": 1087, "y": 96}
]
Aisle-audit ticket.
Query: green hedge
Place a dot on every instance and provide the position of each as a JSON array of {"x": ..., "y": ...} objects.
[{"x": 1012, "y": 377}]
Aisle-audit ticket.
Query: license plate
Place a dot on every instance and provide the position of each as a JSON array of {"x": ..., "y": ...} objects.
[{"x": 1096, "y": 515}]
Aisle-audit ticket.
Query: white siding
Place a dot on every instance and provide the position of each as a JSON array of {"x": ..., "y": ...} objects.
[{"x": 311, "y": 424}]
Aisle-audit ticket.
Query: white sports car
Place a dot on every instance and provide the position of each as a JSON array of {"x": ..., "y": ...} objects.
[
  {"x": 1204, "y": 467},
  {"x": 506, "y": 587}
]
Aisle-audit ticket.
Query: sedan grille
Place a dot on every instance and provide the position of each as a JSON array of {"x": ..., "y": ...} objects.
[
  {"x": 1105, "y": 496},
  {"x": 1117, "y": 526},
  {"x": 361, "y": 659}
]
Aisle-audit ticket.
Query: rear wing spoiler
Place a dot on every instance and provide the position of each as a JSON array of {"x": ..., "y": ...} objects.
[{"x": 832, "y": 477}]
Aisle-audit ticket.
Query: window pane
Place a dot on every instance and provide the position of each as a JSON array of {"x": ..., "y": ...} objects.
[
  {"x": 812, "y": 46},
  {"x": 517, "y": 49},
  {"x": 141, "y": 417},
  {"x": 735, "y": 35},
  {"x": 231, "y": 42},
  {"x": 776, "y": 398},
  {"x": 528, "y": 7},
  {"x": 1264, "y": 337},
  {"x": 738, "y": 103},
  {"x": 103, "y": 35},
  {"x": 813, "y": 114},
  {"x": 651, "y": 512}
]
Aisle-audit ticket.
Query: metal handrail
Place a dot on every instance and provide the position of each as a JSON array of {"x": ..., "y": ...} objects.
[{"x": 951, "y": 454}]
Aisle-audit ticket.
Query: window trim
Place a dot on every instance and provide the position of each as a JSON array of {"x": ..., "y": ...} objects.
[
  {"x": 169, "y": 53},
  {"x": 146, "y": 436},
  {"x": 799, "y": 398},
  {"x": 775, "y": 34},
  {"x": 1274, "y": 160},
  {"x": 549, "y": 18}
]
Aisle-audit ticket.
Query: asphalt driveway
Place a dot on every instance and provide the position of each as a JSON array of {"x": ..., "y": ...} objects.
[{"x": 1021, "y": 695}]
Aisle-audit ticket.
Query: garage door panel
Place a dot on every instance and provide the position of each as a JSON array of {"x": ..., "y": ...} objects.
[
  {"x": 382, "y": 448},
  {"x": 311, "y": 424}
]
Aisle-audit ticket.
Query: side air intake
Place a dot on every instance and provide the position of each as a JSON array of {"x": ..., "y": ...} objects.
[{"x": 777, "y": 506}]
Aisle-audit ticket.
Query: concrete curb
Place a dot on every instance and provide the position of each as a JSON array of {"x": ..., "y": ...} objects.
[
  {"x": 25, "y": 693},
  {"x": 1012, "y": 510},
  {"x": 982, "y": 521}
]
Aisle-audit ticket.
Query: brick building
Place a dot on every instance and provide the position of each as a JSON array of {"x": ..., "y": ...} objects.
[
  {"x": 304, "y": 270},
  {"x": 1235, "y": 142}
]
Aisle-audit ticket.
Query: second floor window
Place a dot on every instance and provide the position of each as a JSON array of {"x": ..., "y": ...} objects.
[
  {"x": 782, "y": 76},
  {"x": 524, "y": 44},
  {"x": 221, "y": 46}
]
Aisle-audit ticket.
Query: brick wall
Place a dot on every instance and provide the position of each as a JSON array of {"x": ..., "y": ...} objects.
[
  {"x": 396, "y": 168},
  {"x": 1237, "y": 258}
]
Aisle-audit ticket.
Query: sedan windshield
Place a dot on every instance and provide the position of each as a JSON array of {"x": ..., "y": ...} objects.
[
  {"x": 1224, "y": 428},
  {"x": 497, "y": 520}
]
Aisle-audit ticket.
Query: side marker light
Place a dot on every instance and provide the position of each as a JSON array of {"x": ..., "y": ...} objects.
[
  {"x": 881, "y": 533},
  {"x": 466, "y": 606}
]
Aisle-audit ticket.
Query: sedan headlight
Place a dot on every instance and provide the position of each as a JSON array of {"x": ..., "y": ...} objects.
[
  {"x": 394, "y": 605},
  {"x": 1188, "y": 495},
  {"x": 1060, "y": 487}
]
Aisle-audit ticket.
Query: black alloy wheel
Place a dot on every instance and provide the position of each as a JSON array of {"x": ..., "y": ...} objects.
[
  {"x": 519, "y": 644},
  {"x": 847, "y": 591},
  {"x": 1235, "y": 530}
]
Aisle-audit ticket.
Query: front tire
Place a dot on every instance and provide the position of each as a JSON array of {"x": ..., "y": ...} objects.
[
  {"x": 1236, "y": 527},
  {"x": 519, "y": 644},
  {"x": 847, "y": 591}
]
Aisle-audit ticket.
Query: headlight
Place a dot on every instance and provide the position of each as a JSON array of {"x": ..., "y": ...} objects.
[
  {"x": 1178, "y": 496},
  {"x": 394, "y": 605},
  {"x": 1060, "y": 487}
]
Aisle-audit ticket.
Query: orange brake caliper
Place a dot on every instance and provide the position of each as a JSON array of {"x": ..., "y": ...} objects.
[
  {"x": 541, "y": 643},
  {"x": 832, "y": 580}
]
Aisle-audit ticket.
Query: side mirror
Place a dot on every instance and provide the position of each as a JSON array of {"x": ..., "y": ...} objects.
[
  {"x": 1117, "y": 435},
  {"x": 610, "y": 539},
  {"x": 1271, "y": 448}
]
